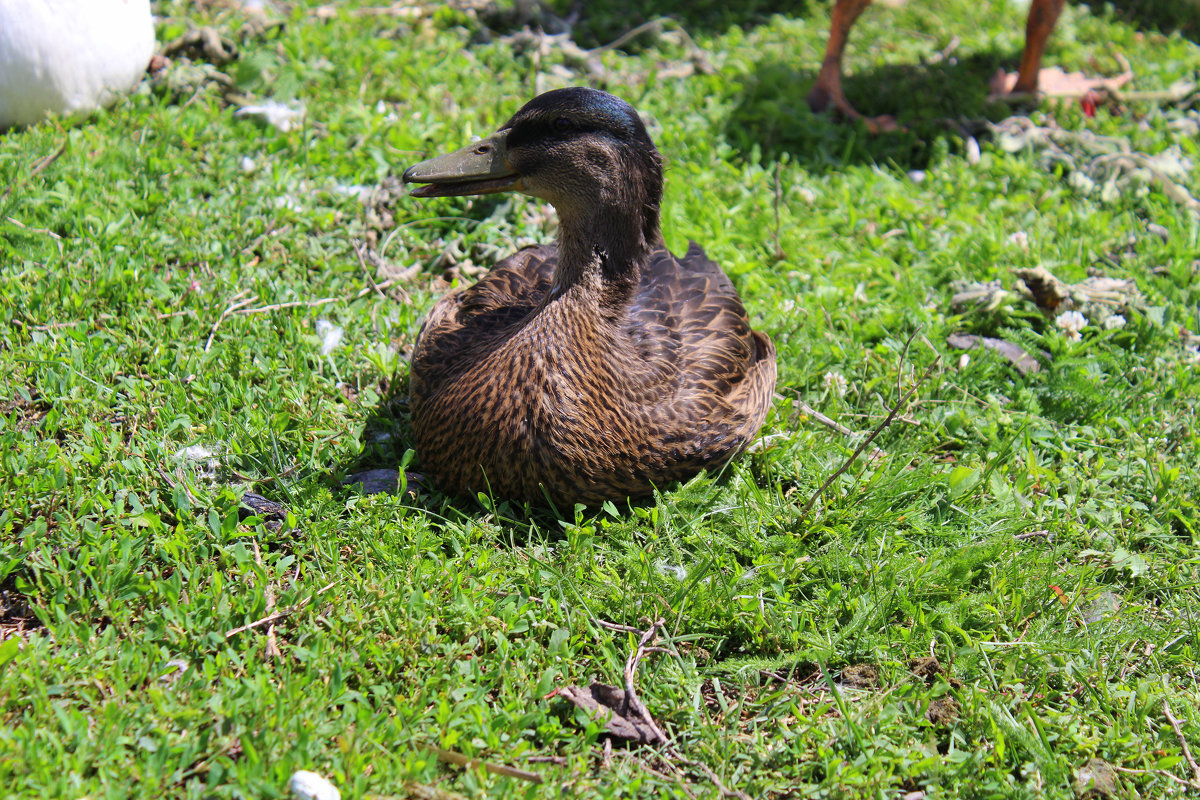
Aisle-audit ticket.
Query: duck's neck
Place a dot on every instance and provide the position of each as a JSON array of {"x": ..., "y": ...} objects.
[{"x": 604, "y": 248}]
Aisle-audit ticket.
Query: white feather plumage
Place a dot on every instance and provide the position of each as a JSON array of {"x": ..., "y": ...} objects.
[{"x": 69, "y": 56}]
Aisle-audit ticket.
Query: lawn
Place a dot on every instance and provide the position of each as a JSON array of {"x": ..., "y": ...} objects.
[{"x": 996, "y": 599}]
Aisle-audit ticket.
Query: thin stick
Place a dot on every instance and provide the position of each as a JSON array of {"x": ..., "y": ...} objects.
[
  {"x": 467, "y": 762},
  {"x": 632, "y": 33},
  {"x": 233, "y": 307},
  {"x": 1187, "y": 752},
  {"x": 613, "y": 626},
  {"x": 631, "y": 665},
  {"x": 779, "y": 254},
  {"x": 272, "y": 649},
  {"x": 712, "y": 776},
  {"x": 278, "y": 615},
  {"x": 1160, "y": 772},
  {"x": 870, "y": 438},
  {"x": 900, "y": 370},
  {"x": 832, "y": 424},
  {"x": 824, "y": 420},
  {"x": 314, "y": 303},
  {"x": 362, "y": 262},
  {"x": 635, "y": 703},
  {"x": 1032, "y": 534}
]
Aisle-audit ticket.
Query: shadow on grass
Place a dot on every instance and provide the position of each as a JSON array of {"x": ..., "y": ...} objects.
[
  {"x": 602, "y": 21},
  {"x": 935, "y": 104},
  {"x": 1166, "y": 16}
]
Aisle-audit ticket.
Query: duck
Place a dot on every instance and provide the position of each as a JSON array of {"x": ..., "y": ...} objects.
[
  {"x": 600, "y": 367},
  {"x": 69, "y": 57}
]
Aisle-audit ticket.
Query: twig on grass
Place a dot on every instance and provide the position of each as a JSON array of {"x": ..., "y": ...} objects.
[
  {"x": 272, "y": 650},
  {"x": 631, "y": 665},
  {"x": 871, "y": 436},
  {"x": 1187, "y": 751},
  {"x": 466, "y": 762},
  {"x": 671, "y": 753},
  {"x": 1033, "y": 535},
  {"x": 779, "y": 255},
  {"x": 278, "y": 615},
  {"x": 232, "y": 307},
  {"x": 558, "y": 761},
  {"x": 314, "y": 303},
  {"x": 1162, "y": 773},
  {"x": 186, "y": 489},
  {"x": 362, "y": 262},
  {"x": 833, "y": 425}
]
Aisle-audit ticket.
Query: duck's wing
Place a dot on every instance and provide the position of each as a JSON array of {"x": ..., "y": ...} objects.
[
  {"x": 688, "y": 319},
  {"x": 688, "y": 324},
  {"x": 472, "y": 319}
]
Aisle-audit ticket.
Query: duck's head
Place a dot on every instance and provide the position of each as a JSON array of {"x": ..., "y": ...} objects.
[{"x": 583, "y": 150}]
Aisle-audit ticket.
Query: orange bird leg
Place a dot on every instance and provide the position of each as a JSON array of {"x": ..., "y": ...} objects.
[
  {"x": 1043, "y": 15},
  {"x": 828, "y": 88}
]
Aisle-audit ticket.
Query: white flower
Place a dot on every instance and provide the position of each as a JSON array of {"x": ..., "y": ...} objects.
[
  {"x": 1072, "y": 324},
  {"x": 1019, "y": 239},
  {"x": 385, "y": 111},
  {"x": 835, "y": 382},
  {"x": 787, "y": 306},
  {"x": 307, "y": 785},
  {"x": 331, "y": 336},
  {"x": 248, "y": 164},
  {"x": 1114, "y": 321},
  {"x": 860, "y": 293}
]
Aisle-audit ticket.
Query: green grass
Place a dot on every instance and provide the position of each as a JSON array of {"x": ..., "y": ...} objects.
[{"x": 445, "y": 623}]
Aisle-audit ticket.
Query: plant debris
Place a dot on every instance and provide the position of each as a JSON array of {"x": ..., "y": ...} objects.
[
  {"x": 1094, "y": 296},
  {"x": 1095, "y": 780},
  {"x": 943, "y": 711},
  {"x": 1104, "y": 165},
  {"x": 1016, "y": 355},
  {"x": 860, "y": 676},
  {"x": 612, "y": 706}
]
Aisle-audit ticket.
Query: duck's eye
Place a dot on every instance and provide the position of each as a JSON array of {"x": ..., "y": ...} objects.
[{"x": 563, "y": 125}]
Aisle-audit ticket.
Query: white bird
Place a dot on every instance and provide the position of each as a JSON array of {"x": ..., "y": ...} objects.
[{"x": 69, "y": 57}]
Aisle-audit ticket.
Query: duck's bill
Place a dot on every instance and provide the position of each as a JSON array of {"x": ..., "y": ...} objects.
[{"x": 480, "y": 168}]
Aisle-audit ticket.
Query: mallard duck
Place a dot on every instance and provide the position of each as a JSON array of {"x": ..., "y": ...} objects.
[
  {"x": 69, "y": 56},
  {"x": 596, "y": 368}
]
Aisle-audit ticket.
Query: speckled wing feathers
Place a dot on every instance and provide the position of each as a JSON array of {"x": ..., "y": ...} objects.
[
  {"x": 520, "y": 403},
  {"x": 476, "y": 317}
]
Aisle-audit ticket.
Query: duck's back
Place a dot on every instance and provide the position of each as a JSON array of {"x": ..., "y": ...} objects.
[{"x": 509, "y": 395}]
